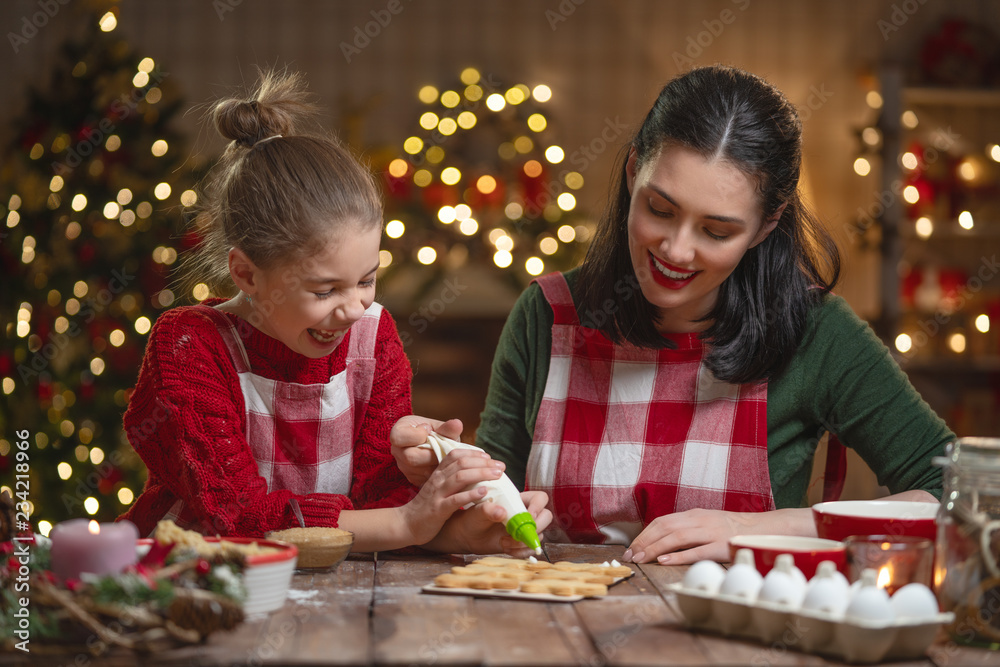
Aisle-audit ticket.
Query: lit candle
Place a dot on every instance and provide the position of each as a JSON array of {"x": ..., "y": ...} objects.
[
  {"x": 82, "y": 545},
  {"x": 897, "y": 559},
  {"x": 884, "y": 577}
]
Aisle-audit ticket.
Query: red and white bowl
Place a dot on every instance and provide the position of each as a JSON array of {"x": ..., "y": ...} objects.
[
  {"x": 843, "y": 518},
  {"x": 266, "y": 577},
  {"x": 807, "y": 552}
]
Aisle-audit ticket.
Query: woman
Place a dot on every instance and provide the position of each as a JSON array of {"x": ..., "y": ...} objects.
[{"x": 671, "y": 392}]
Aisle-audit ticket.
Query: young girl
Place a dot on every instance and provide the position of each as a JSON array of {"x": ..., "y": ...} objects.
[
  {"x": 671, "y": 392},
  {"x": 286, "y": 393}
]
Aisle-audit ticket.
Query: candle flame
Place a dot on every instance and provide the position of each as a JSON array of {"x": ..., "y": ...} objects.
[
  {"x": 94, "y": 527},
  {"x": 883, "y": 577}
]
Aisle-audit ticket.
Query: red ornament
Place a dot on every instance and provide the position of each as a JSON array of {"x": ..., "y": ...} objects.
[
  {"x": 909, "y": 284},
  {"x": 437, "y": 195},
  {"x": 86, "y": 253},
  {"x": 44, "y": 391},
  {"x": 397, "y": 187},
  {"x": 86, "y": 390},
  {"x": 493, "y": 199}
]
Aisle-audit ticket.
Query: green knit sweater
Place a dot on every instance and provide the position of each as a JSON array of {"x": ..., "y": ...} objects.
[{"x": 841, "y": 379}]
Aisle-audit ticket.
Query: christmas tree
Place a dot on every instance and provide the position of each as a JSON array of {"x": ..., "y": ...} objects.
[
  {"x": 482, "y": 179},
  {"x": 96, "y": 193}
]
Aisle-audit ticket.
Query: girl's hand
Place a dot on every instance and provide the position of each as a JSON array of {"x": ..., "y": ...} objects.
[
  {"x": 687, "y": 537},
  {"x": 480, "y": 529},
  {"x": 446, "y": 490},
  {"x": 418, "y": 464}
]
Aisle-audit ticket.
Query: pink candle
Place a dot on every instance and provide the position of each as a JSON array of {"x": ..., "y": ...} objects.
[{"x": 83, "y": 545}]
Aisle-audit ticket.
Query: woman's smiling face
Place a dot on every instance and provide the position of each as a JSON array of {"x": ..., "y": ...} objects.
[{"x": 690, "y": 222}]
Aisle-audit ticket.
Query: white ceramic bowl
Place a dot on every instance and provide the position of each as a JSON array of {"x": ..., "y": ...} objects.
[{"x": 266, "y": 577}]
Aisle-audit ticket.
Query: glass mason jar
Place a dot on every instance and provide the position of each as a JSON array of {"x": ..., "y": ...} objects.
[{"x": 967, "y": 553}]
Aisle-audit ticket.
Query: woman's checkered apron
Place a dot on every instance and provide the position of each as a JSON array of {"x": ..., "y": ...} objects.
[
  {"x": 627, "y": 434},
  {"x": 302, "y": 435}
]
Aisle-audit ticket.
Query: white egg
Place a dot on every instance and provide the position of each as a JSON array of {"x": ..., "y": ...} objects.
[
  {"x": 783, "y": 586},
  {"x": 869, "y": 602},
  {"x": 914, "y": 601},
  {"x": 828, "y": 568},
  {"x": 828, "y": 595},
  {"x": 706, "y": 576},
  {"x": 742, "y": 579}
]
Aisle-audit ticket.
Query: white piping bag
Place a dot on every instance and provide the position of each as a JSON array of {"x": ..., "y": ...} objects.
[{"x": 520, "y": 524}]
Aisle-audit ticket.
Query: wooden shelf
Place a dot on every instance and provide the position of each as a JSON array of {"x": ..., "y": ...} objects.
[
  {"x": 989, "y": 230},
  {"x": 984, "y": 97}
]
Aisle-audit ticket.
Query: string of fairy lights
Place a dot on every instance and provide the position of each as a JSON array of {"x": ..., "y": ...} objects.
[
  {"x": 491, "y": 207},
  {"x": 131, "y": 210},
  {"x": 968, "y": 170}
]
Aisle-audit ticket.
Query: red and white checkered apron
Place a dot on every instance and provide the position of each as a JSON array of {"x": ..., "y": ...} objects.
[
  {"x": 626, "y": 434},
  {"x": 302, "y": 435}
]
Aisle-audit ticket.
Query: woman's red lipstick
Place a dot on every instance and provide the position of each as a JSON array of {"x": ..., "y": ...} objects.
[{"x": 666, "y": 281}]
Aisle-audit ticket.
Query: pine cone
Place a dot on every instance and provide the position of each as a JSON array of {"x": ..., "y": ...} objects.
[{"x": 206, "y": 612}]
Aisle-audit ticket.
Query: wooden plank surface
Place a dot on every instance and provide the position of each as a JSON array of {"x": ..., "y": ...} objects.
[
  {"x": 372, "y": 611},
  {"x": 410, "y": 627},
  {"x": 323, "y": 611},
  {"x": 632, "y": 625}
]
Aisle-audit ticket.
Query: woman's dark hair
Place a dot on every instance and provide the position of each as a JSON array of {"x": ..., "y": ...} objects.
[
  {"x": 276, "y": 193},
  {"x": 759, "y": 318}
]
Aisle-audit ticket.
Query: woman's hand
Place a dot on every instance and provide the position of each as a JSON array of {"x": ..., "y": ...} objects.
[
  {"x": 687, "y": 537},
  {"x": 480, "y": 529},
  {"x": 418, "y": 464},
  {"x": 446, "y": 490}
]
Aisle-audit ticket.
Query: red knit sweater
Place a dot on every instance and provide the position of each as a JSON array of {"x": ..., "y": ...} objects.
[{"x": 187, "y": 421}]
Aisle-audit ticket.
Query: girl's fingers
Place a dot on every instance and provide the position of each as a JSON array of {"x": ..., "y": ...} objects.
[
  {"x": 471, "y": 458},
  {"x": 450, "y": 429},
  {"x": 458, "y": 500}
]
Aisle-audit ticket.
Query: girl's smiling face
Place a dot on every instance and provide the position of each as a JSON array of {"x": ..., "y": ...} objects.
[
  {"x": 690, "y": 222},
  {"x": 310, "y": 305}
]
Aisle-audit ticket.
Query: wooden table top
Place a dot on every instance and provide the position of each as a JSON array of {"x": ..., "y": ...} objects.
[{"x": 371, "y": 611}]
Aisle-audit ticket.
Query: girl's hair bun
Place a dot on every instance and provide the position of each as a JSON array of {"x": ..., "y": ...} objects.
[{"x": 273, "y": 108}]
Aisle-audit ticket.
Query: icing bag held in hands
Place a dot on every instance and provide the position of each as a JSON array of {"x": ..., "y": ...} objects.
[{"x": 520, "y": 524}]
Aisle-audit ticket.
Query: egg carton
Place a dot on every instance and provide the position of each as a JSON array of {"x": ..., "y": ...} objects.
[{"x": 856, "y": 640}]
